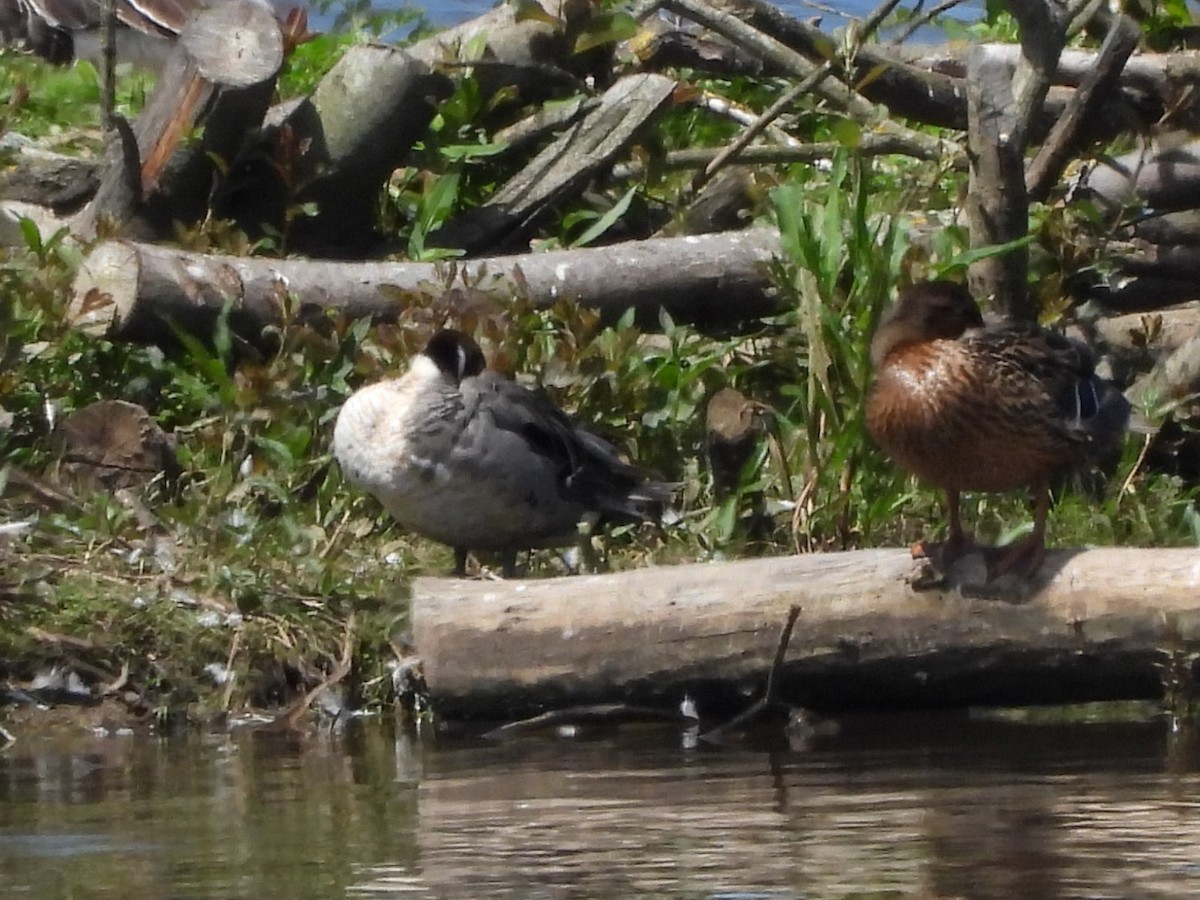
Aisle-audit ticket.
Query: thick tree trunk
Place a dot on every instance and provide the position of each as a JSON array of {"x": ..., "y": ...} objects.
[
  {"x": 1095, "y": 629},
  {"x": 129, "y": 291}
]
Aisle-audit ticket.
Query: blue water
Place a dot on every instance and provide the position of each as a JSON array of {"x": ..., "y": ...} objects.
[{"x": 451, "y": 12}]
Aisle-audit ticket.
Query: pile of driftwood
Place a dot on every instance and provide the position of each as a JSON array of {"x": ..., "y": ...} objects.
[{"x": 1016, "y": 117}]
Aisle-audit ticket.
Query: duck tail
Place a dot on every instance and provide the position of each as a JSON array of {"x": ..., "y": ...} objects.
[{"x": 619, "y": 491}]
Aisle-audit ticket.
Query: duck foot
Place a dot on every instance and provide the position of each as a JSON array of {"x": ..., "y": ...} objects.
[
  {"x": 1022, "y": 557},
  {"x": 943, "y": 554}
]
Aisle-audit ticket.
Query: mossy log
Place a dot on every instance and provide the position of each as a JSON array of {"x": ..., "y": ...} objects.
[
  {"x": 130, "y": 291},
  {"x": 1096, "y": 626}
]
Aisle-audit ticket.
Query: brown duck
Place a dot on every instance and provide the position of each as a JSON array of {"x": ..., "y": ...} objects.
[{"x": 971, "y": 407}]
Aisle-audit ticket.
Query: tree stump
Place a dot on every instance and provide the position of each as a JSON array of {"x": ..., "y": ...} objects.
[{"x": 216, "y": 84}]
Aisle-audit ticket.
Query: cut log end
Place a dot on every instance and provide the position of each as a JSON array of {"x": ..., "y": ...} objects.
[
  {"x": 235, "y": 44},
  {"x": 105, "y": 291}
]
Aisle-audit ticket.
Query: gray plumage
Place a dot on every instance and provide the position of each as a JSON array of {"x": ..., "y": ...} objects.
[{"x": 469, "y": 458}]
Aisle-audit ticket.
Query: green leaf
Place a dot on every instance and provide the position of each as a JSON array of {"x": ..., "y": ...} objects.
[
  {"x": 33, "y": 237},
  {"x": 455, "y": 152},
  {"x": 532, "y": 11},
  {"x": 606, "y": 221},
  {"x": 606, "y": 29}
]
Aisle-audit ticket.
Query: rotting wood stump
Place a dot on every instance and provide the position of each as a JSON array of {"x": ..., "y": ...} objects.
[{"x": 1097, "y": 625}]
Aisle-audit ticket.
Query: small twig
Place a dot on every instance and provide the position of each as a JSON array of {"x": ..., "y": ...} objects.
[
  {"x": 768, "y": 154},
  {"x": 767, "y": 701},
  {"x": 785, "y": 638},
  {"x": 117, "y": 683},
  {"x": 608, "y": 713},
  {"x": 1097, "y": 85},
  {"x": 230, "y": 677},
  {"x": 924, "y": 19},
  {"x": 1127, "y": 484},
  {"x": 290, "y": 717},
  {"x": 108, "y": 91},
  {"x": 754, "y": 129}
]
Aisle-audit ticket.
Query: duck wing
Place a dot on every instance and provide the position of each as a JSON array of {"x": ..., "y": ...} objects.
[
  {"x": 1052, "y": 379},
  {"x": 589, "y": 470}
]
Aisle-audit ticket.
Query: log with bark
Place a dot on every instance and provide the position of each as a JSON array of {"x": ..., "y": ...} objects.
[
  {"x": 316, "y": 173},
  {"x": 131, "y": 291},
  {"x": 1097, "y": 627}
]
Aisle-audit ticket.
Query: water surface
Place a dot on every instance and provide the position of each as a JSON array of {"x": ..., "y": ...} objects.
[{"x": 929, "y": 807}]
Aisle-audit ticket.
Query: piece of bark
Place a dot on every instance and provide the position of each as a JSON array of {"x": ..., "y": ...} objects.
[
  {"x": 61, "y": 183},
  {"x": 1065, "y": 138},
  {"x": 1094, "y": 630},
  {"x": 518, "y": 48},
  {"x": 128, "y": 291},
  {"x": 114, "y": 444},
  {"x": 217, "y": 81},
  {"x": 562, "y": 169},
  {"x": 334, "y": 151}
]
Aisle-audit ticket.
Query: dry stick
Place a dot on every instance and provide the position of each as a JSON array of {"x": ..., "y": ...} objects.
[
  {"x": 783, "y": 57},
  {"x": 768, "y": 699},
  {"x": 234, "y": 645},
  {"x": 753, "y": 130},
  {"x": 605, "y": 713},
  {"x": 1047, "y": 167},
  {"x": 291, "y": 716},
  {"x": 768, "y": 154},
  {"x": 776, "y": 109},
  {"x": 923, "y": 20},
  {"x": 108, "y": 93}
]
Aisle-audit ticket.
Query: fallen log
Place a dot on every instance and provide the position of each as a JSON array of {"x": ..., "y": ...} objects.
[
  {"x": 1095, "y": 629},
  {"x": 130, "y": 291}
]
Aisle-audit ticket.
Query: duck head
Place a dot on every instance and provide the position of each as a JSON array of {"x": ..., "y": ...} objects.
[
  {"x": 455, "y": 354},
  {"x": 930, "y": 311}
]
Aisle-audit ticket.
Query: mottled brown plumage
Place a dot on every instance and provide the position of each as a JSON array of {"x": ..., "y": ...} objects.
[{"x": 968, "y": 407}]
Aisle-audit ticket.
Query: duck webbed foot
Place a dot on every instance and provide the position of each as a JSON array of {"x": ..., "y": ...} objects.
[
  {"x": 1022, "y": 558},
  {"x": 943, "y": 554}
]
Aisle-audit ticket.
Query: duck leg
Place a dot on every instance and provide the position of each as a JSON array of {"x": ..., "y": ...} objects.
[
  {"x": 957, "y": 544},
  {"x": 1023, "y": 556},
  {"x": 460, "y": 562}
]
